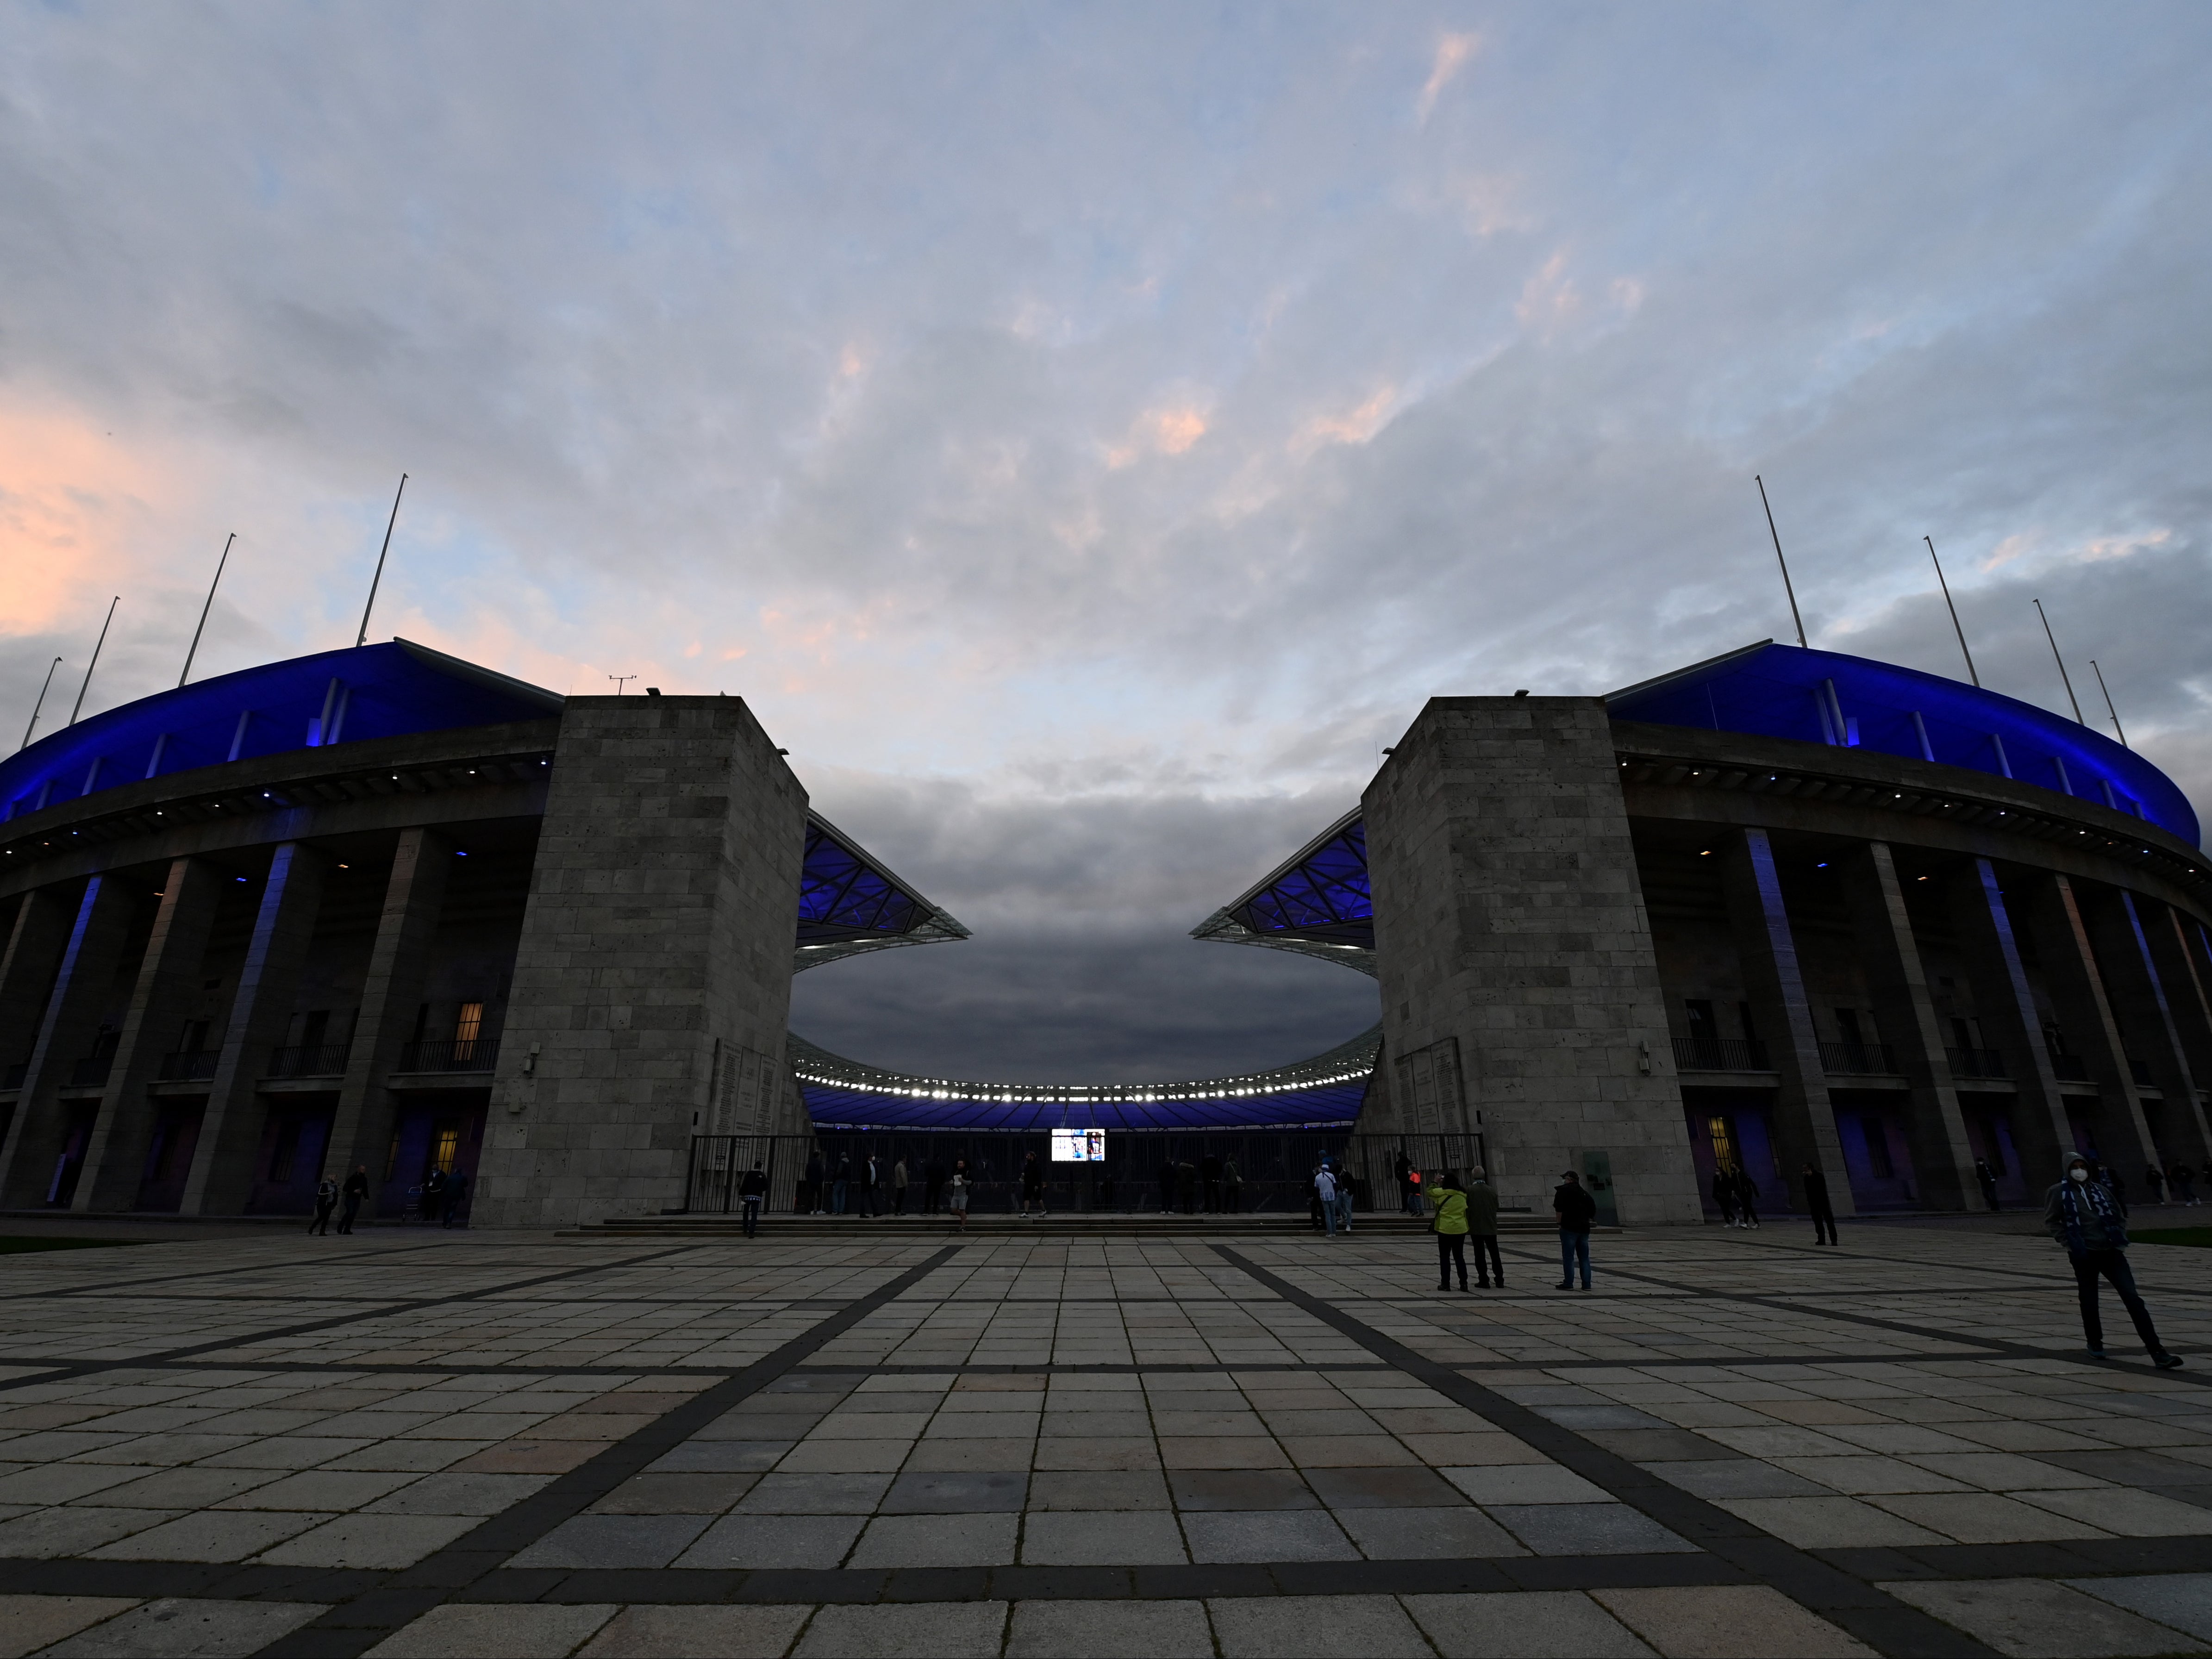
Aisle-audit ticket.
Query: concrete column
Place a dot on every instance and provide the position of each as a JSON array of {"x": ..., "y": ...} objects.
[
  {"x": 1889, "y": 955},
  {"x": 2006, "y": 1006},
  {"x": 2150, "y": 1020},
  {"x": 231, "y": 1131},
  {"x": 81, "y": 990},
  {"x": 660, "y": 920},
  {"x": 2084, "y": 1009},
  {"x": 33, "y": 952},
  {"x": 398, "y": 965},
  {"x": 2166, "y": 931},
  {"x": 1804, "y": 1119},
  {"x": 167, "y": 986},
  {"x": 1509, "y": 922}
]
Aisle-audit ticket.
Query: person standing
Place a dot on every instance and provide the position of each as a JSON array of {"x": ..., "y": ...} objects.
[
  {"x": 326, "y": 1200},
  {"x": 1032, "y": 1185},
  {"x": 898, "y": 1188},
  {"x": 1187, "y": 1184},
  {"x": 1168, "y": 1188},
  {"x": 933, "y": 1190},
  {"x": 1747, "y": 1197},
  {"x": 2184, "y": 1182},
  {"x": 1482, "y": 1228},
  {"x": 355, "y": 1193},
  {"x": 811, "y": 1199},
  {"x": 1986, "y": 1179},
  {"x": 434, "y": 1194},
  {"x": 1816, "y": 1201},
  {"x": 752, "y": 1192},
  {"x": 1447, "y": 1220},
  {"x": 1209, "y": 1171},
  {"x": 1409, "y": 1184},
  {"x": 457, "y": 1194},
  {"x": 1324, "y": 1186},
  {"x": 2091, "y": 1224},
  {"x": 872, "y": 1173},
  {"x": 1232, "y": 1186},
  {"x": 1576, "y": 1211},
  {"x": 1725, "y": 1194},
  {"x": 2154, "y": 1178},
  {"x": 1343, "y": 1199},
  {"x": 841, "y": 1188},
  {"x": 957, "y": 1194}
]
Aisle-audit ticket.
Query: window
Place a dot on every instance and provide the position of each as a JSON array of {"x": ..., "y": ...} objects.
[
  {"x": 448, "y": 1143},
  {"x": 1847, "y": 1022},
  {"x": 467, "y": 1029},
  {"x": 1877, "y": 1145},
  {"x": 391, "y": 1157},
  {"x": 195, "y": 1038},
  {"x": 287, "y": 1149},
  {"x": 1716, "y": 1128}
]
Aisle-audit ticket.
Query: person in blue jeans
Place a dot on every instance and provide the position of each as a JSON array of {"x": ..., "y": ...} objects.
[{"x": 1576, "y": 1210}]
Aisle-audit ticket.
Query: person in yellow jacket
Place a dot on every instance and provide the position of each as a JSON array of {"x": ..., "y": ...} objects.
[{"x": 1447, "y": 1205}]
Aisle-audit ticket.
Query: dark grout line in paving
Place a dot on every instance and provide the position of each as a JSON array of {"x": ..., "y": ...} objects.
[{"x": 1873, "y": 1615}]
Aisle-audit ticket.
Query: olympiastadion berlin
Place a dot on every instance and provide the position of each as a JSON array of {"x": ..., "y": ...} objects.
[{"x": 379, "y": 909}]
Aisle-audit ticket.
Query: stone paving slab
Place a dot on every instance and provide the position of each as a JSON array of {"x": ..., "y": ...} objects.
[{"x": 1737, "y": 1443}]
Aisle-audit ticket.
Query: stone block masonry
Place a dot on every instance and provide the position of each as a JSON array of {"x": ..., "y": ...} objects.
[
  {"x": 657, "y": 934},
  {"x": 1509, "y": 922}
]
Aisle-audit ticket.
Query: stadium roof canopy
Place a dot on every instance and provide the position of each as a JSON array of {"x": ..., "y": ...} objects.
[
  {"x": 1323, "y": 1092},
  {"x": 848, "y": 903},
  {"x": 1823, "y": 696},
  {"x": 1315, "y": 902}
]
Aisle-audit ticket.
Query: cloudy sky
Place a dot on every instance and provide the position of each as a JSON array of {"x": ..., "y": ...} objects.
[{"x": 1086, "y": 433}]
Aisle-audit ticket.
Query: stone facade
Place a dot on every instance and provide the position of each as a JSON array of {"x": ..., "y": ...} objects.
[
  {"x": 1514, "y": 950},
  {"x": 656, "y": 949}
]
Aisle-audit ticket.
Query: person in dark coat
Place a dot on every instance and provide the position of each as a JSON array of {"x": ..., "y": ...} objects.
[
  {"x": 811, "y": 1199},
  {"x": 1168, "y": 1188},
  {"x": 2183, "y": 1179},
  {"x": 1577, "y": 1212},
  {"x": 1032, "y": 1185},
  {"x": 326, "y": 1200},
  {"x": 752, "y": 1192},
  {"x": 1725, "y": 1194},
  {"x": 1986, "y": 1178},
  {"x": 1187, "y": 1184},
  {"x": 457, "y": 1194},
  {"x": 434, "y": 1193},
  {"x": 2154, "y": 1178},
  {"x": 1209, "y": 1171},
  {"x": 1747, "y": 1197},
  {"x": 933, "y": 1191},
  {"x": 1816, "y": 1201},
  {"x": 1482, "y": 1229},
  {"x": 2091, "y": 1225},
  {"x": 355, "y": 1193},
  {"x": 840, "y": 1184}
]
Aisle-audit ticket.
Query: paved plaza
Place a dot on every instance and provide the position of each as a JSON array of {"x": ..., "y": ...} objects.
[{"x": 410, "y": 1442}]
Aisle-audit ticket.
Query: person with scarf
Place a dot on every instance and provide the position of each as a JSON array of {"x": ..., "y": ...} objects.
[{"x": 2082, "y": 1215}]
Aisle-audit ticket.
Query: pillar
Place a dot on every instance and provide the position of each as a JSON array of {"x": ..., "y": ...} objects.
[
  {"x": 1889, "y": 955},
  {"x": 659, "y": 925},
  {"x": 167, "y": 988},
  {"x": 2167, "y": 931},
  {"x": 1804, "y": 1118},
  {"x": 35, "y": 941},
  {"x": 2150, "y": 1020},
  {"x": 80, "y": 994},
  {"x": 231, "y": 1131},
  {"x": 392, "y": 993},
  {"x": 1509, "y": 930},
  {"x": 2006, "y": 1006},
  {"x": 2085, "y": 1012}
]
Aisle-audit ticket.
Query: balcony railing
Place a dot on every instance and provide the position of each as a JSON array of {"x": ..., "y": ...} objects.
[
  {"x": 1871, "y": 1058},
  {"x": 454, "y": 1054},
  {"x": 1720, "y": 1054},
  {"x": 2069, "y": 1068},
  {"x": 309, "y": 1059},
  {"x": 1976, "y": 1062},
  {"x": 189, "y": 1065}
]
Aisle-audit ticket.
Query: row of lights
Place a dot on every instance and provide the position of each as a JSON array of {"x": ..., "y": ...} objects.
[{"x": 1104, "y": 1097}]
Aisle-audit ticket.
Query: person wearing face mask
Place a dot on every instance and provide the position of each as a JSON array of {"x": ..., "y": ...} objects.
[{"x": 2081, "y": 1215}]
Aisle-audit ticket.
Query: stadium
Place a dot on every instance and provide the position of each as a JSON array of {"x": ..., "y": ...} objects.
[{"x": 382, "y": 909}]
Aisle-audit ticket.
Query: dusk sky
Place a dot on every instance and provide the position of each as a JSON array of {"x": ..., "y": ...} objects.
[{"x": 1087, "y": 433}]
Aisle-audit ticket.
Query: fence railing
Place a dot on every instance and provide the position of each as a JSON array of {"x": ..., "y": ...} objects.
[
  {"x": 452, "y": 1054},
  {"x": 1143, "y": 1174},
  {"x": 309, "y": 1059},
  {"x": 1872, "y": 1058},
  {"x": 1977, "y": 1062},
  {"x": 189, "y": 1065},
  {"x": 1721, "y": 1055}
]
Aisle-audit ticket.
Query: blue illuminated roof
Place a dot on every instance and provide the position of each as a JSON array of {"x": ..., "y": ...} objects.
[
  {"x": 1774, "y": 690},
  {"x": 1323, "y": 1092},
  {"x": 848, "y": 903},
  {"x": 389, "y": 690},
  {"x": 1315, "y": 902}
]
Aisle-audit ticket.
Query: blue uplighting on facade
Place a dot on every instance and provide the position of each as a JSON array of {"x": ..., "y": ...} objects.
[
  {"x": 389, "y": 690},
  {"x": 1772, "y": 691}
]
